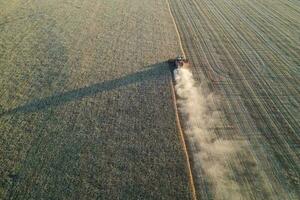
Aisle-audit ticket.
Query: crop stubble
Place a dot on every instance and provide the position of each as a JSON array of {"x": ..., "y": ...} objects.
[{"x": 248, "y": 53}]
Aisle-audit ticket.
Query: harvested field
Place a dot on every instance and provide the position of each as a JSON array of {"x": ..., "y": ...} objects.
[
  {"x": 86, "y": 108},
  {"x": 245, "y": 53}
]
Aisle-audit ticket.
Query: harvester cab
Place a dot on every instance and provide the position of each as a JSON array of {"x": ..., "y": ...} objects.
[{"x": 180, "y": 62}]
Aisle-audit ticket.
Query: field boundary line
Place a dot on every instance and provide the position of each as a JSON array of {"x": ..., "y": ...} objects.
[
  {"x": 183, "y": 143},
  {"x": 181, "y": 132},
  {"x": 176, "y": 28}
]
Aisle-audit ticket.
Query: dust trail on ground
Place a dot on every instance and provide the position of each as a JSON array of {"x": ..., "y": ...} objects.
[{"x": 210, "y": 154}]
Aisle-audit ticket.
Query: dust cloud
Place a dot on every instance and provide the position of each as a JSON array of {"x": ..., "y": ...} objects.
[{"x": 211, "y": 154}]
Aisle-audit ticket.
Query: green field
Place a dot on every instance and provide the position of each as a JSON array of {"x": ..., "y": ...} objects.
[{"x": 85, "y": 99}]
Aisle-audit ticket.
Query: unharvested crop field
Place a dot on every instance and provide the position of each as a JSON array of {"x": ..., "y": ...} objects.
[
  {"x": 247, "y": 53},
  {"x": 85, "y": 100}
]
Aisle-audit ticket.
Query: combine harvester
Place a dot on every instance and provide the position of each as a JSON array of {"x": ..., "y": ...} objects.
[{"x": 179, "y": 62}]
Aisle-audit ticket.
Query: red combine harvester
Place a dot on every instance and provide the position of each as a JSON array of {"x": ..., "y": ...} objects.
[{"x": 179, "y": 62}]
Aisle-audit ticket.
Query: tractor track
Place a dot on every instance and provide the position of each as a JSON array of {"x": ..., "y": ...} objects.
[{"x": 242, "y": 63}]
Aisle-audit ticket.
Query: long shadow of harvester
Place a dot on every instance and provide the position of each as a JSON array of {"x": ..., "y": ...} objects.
[{"x": 152, "y": 72}]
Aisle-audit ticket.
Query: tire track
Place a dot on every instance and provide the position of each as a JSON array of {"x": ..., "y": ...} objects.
[
  {"x": 267, "y": 106},
  {"x": 191, "y": 18}
]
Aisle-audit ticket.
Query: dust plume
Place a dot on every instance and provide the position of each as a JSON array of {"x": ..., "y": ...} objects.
[{"x": 210, "y": 153}]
